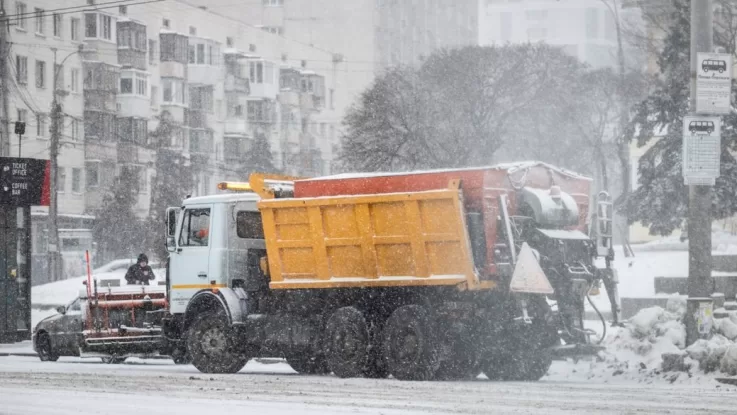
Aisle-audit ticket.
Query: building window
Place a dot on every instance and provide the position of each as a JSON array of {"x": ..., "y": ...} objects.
[
  {"x": 20, "y": 11},
  {"x": 173, "y": 91},
  {"x": 332, "y": 99},
  {"x": 277, "y": 30},
  {"x": 90, "y": 25},
  {"x": 39, "y": 20},
  {"x": 211, "y": 58},
  {"x": 107, "y": 27},
  {"x": 21, "y": 69},
  {"x": 76, "y": 180},
  {"x": 123, "y": 10},
  {"x": 61, "y": 180},
  {"x": 74, "y": 84},
  {"x": 126, "y": 85},
  {"x": 41, "y": 125},
  {"x": 229, "y": 42},
  {"x": 257, "y": 72},
  {"x": 141, "y": 85},
  {"x": 151, "y": 52},
  {"x": 74, "y": 129},
  {"x": 273, "y": 3},
  {"x": 58, "y": 76},
  {"x": 74, "y": 25},
  {"x": 192, "y": 31},
  {"x": 191, "y": 54},
  {"x": 40, "y": 74},
  {"x": 200, "y": 54},
  {"x": 57, "y": 25},
  {"x": 93, "y": 174},
  {"x": 166, "y": 23},
  {"x": 173, "y": 48}
]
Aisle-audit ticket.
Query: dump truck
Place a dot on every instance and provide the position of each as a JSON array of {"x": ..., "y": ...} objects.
[{"x": 423, "y": 275}]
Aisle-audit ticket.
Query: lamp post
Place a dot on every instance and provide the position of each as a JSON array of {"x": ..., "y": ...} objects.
[{"x": 54, "y": 259}]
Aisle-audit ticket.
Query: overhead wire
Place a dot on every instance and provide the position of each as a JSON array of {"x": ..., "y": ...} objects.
[
  {"x": 47, "y": 13},
  {"x": 16, "y": 16}
]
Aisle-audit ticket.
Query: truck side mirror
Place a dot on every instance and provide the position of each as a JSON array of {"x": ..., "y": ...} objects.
[
  {"x": 171, "y": 228},
  {"x": 170, "y": 244}
]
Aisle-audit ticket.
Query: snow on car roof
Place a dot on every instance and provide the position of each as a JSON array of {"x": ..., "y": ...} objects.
[{"x": 510, "y": 167}]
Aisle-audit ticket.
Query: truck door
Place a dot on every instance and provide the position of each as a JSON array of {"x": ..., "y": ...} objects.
[{"x": 190, "y": 261}]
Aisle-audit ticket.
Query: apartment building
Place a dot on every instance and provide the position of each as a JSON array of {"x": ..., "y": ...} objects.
[
  {"x": 369, "y": 35},
  {"x": 586, "y": 29},
  {"x": 219, "y": 82}
]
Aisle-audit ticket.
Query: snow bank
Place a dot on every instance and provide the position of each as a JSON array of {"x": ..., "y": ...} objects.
[{"x": 635, "y": 352}]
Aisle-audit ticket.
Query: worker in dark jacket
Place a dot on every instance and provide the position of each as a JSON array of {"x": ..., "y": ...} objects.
[{"x": 140, "y": 273}]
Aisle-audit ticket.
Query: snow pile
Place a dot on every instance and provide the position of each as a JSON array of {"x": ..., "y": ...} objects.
[
  {"x": 650, "y": 333},
  {"x": 635, "y": 352}
]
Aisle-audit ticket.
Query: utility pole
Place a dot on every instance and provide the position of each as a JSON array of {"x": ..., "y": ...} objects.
[
  {"x": 53, "y": 254},
  {"x": 4, "y": 79},
  {"x": 699, "y": 197}
]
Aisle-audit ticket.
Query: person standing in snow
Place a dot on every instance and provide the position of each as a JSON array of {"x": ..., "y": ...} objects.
[{"x": 140, "y": 272}]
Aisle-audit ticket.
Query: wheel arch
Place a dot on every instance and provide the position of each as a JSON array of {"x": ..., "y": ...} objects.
[{"x": 226, "y": 300}]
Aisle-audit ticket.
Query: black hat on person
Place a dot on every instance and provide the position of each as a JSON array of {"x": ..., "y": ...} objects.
[{"x": 142, "y": 258}]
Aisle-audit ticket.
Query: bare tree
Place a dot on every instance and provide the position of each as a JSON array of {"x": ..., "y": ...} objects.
[{"x": 458, "y": 109}]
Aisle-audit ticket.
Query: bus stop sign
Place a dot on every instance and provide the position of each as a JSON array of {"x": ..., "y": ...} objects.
[{"x": 702, "y": 150}]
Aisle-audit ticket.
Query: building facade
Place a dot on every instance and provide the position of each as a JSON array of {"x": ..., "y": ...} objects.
[
  {"x": 118, "y": 70},
  {"x": 585, "y": 29}
]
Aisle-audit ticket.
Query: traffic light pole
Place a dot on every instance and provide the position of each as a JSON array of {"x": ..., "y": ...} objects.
[{"x": 700, "y": 285}]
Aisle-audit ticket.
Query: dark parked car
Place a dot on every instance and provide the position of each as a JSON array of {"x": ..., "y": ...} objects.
[{"x": 113, "y": 324}]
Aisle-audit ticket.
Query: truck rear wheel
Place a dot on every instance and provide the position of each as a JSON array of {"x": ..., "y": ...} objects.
[
  {"x": 347, "y": 341},
  {"x": 529, "y": 365},
  {"x": 410, "y": 344},
  {"x": 211, "y": 345}
]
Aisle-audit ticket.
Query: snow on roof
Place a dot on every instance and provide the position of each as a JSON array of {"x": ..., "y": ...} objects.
[
  {"x": 510, "y": 167},
  {"x": 222, "y": 198},
  {"x": 171, "y": 32}
]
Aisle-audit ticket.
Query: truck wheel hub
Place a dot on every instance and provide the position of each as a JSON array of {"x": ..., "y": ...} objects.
[{"x": 213, "y": 341}]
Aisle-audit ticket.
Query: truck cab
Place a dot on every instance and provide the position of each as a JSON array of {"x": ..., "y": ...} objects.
[{"x": 213, "y": 238}]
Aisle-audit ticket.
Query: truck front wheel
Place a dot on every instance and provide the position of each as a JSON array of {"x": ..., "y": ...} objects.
[
  {"x": 347, "y": 340},
  {"x": 410, "y": 344},
  {"x": 211, "y": 345}
]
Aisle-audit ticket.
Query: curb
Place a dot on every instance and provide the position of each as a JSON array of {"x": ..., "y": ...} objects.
[{"x": 23, "y": 354}]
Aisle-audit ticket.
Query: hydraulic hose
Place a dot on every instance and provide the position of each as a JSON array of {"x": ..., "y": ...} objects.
[{"x": 601, "y": 317}]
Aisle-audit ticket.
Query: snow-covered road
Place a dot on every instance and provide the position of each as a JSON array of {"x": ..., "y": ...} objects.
[{"x": 75, "y": 386}]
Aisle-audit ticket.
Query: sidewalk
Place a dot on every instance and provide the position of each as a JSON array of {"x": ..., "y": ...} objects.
[{"x": 24, "y": 348}]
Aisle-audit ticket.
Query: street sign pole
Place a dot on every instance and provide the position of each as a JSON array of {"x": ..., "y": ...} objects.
[{"x": 707, "y": 98}]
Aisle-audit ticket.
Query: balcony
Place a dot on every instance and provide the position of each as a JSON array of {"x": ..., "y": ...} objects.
[
  {"x": 289, "y": 97},
  {"x": 132, "y": 45},
  {"x": 235, "y": 126},
  {"x": 237, "y": 84},
  {"x": 203, "y": 62}
]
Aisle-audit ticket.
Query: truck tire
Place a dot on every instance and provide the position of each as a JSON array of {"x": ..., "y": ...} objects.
[
  {"x": 462, "y": 361},
  {"x": 347, "y": 342},
  {"x": 211, "y": 345},
  {"x": 528, "y": 366},
  {"x": 309, "y": 366},
  {"x": 410, "y": 344}
]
